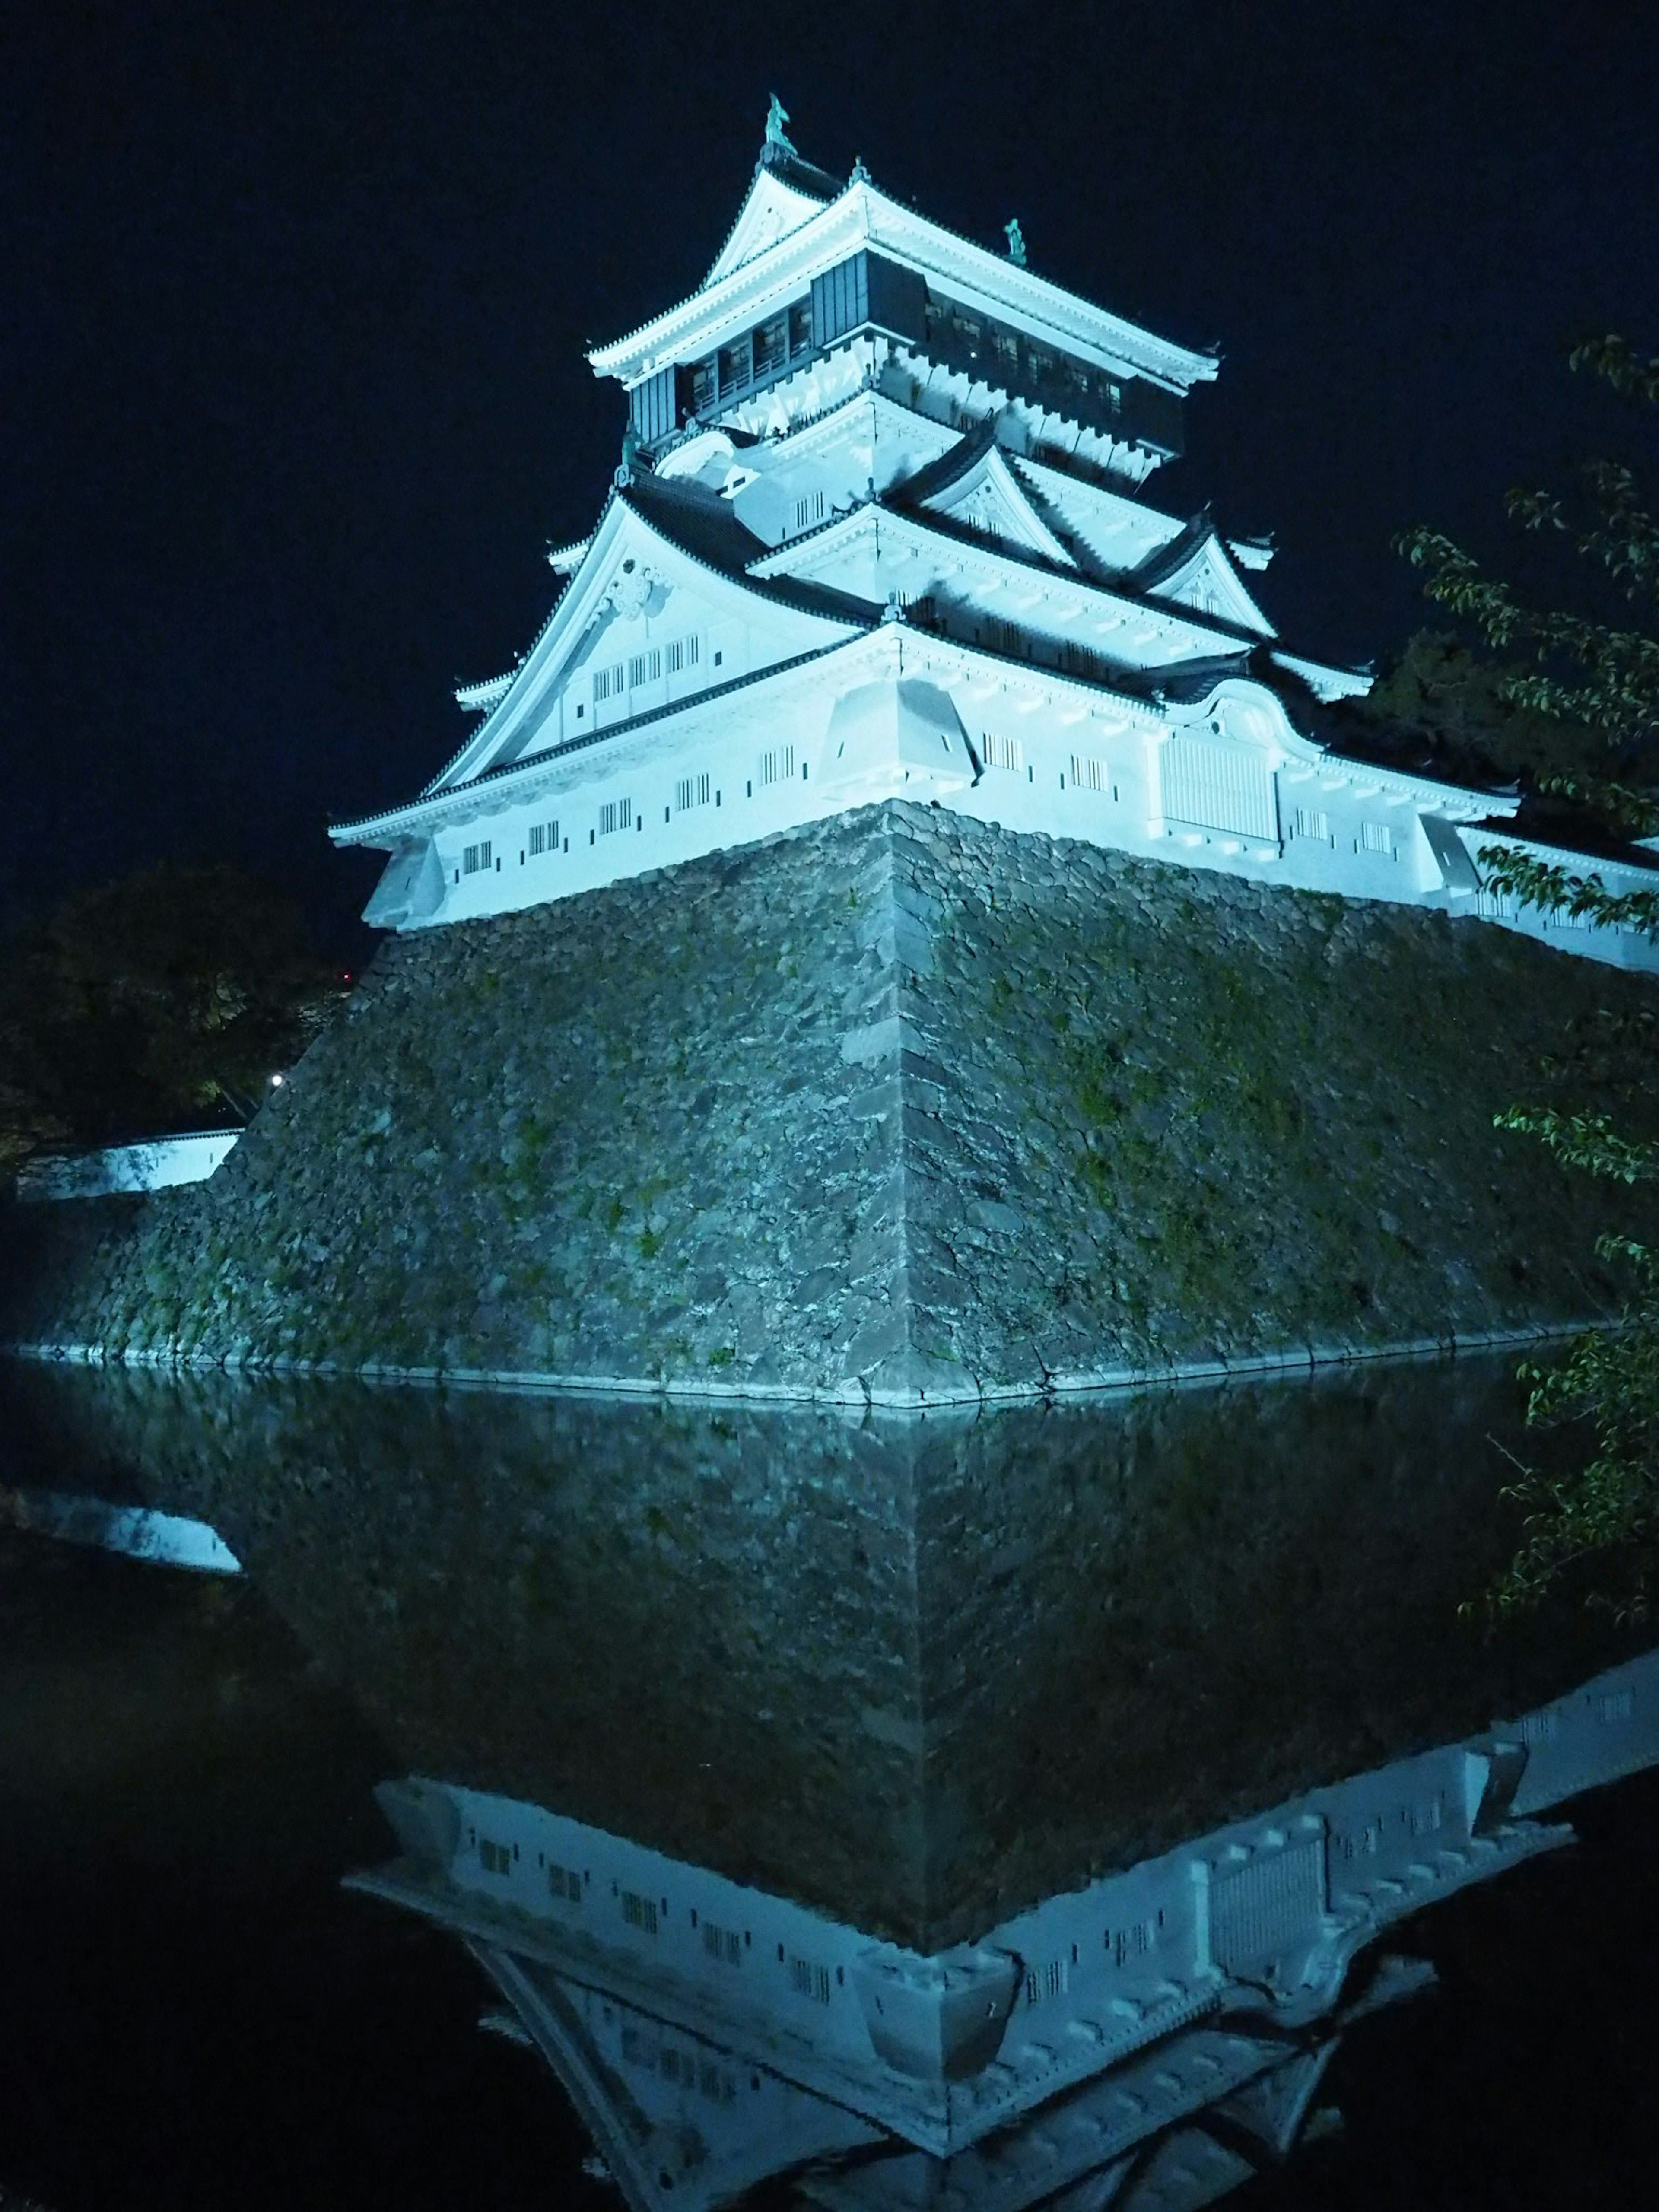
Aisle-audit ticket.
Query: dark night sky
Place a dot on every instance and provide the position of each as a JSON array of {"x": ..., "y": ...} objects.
[{"x": 293, "y": 300}]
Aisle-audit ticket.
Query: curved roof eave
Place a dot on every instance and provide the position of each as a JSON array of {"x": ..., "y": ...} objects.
[{"x": 861, "y": 216}]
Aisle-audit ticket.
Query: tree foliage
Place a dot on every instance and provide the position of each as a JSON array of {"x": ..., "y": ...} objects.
[
  {"x": 1597, "y": 1523},
  {"x": 1601, "y": 1518},
  {"x": 162, "y": 1000}
]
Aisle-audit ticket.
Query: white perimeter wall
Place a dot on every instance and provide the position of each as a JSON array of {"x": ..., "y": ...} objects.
[{"x": 155, "y": 1164}]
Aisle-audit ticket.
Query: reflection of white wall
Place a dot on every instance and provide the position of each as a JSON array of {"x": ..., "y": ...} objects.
[
  {"x": 1139, "y": 2001},
  {"x": 156, "y": 1165}
]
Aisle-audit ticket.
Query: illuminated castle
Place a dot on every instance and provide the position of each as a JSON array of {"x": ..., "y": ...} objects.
[{"x": 880, "y": 532}]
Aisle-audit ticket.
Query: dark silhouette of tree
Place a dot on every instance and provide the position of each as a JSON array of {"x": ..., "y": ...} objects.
[
  {"x": 166, "y": 1000},
  {"x": 1574, "y": 672}
]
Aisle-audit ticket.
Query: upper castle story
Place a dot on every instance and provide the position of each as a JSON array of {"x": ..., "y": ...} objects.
[
  {"x": 881, "y": 528},
  {"x": 824, "y": 287}
]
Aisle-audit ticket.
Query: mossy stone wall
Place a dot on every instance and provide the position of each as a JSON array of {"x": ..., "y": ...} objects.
[{"x": 900, "y": 1103}]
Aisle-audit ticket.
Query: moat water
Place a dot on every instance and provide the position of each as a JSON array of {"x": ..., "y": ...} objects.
[{"x": 914, "y": 1676}]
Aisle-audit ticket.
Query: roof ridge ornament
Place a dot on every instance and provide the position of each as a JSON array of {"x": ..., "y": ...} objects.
[
  {"x": 1016, "y": 238},
  {"x": 778, "y": 142},
  {"x": 859, "y": 174}
]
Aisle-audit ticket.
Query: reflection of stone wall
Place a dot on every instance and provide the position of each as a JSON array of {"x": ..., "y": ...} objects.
[
  {"x": 1138, "y": 1624},
  {"x": 694, "y": 1628},
  {"x": 918, "y": 1673},
  {"x": 900, "y": 1100}
]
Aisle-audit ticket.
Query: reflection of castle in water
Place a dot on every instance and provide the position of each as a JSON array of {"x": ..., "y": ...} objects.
[
  {"x": 940, "y": 1811},
  {"x": 1128, "y": 2044}
]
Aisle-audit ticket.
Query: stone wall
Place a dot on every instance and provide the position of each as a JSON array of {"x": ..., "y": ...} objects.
[{"x": 901, "y": 1104}]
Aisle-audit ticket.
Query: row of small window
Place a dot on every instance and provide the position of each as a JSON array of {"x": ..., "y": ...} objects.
[
  {"x": 481, "y": 858},
  {"x": 1087, "y": 775},
  {"x": 1008, "y": 347},
  {"x": 648, "y": 667},
  {"x": 1313, "y": 822},
  {"x": 497, "y": 1858},
  {"x": 1054, "y": 1977},
  {"x": 806, "y": 1976},
  {"x": 1092, "y": 775},
  {"x": 759, "y": 353},
  {"x": 703, "y": 2075},
  {"x": 690, "y": 792}
]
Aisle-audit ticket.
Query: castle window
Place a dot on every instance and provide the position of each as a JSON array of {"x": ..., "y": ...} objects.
[
  {"x": 601, "y": 685},
  {"x": 691, "y": 791},
  {"x": 1006, "y": 346},
  {"x": 808, "y": 1979},
  {"x": 809, "y": 510},
  {"x": 722, "y": 1943},
  {"x": 535, "y": 838},
  {"x": 543, "y": 837},
  {"x": 1092, "y": 775},
  {"x": 1003, "y": 752},
  {"x": 640, "y": 1912},
  {"x": 702, "y": 386},
  {"x": 618, "y": 814},
  {"x": 493, "y": 1858},
  {"x": 800, "y": 329},
  {"x": 476, "y": 857},
  {"x": 636, "y": 669},
  {"x": 771, "y": 345},
  {"x": 1376, "y": 837},
  {"x": 778, "y": 767},
  {"x": 1313, "y": 822},
  {"x": 733, "y": 365}
]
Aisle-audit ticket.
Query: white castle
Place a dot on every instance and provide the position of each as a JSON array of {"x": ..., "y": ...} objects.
[
  {"x": 879, "y": 531},
  {"x": 1143, "y": 2042}
]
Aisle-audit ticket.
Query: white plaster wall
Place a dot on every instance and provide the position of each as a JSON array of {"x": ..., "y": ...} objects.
[
  {"x": 157, "y": 1165},
  {"x": 1048, "y": 792}
]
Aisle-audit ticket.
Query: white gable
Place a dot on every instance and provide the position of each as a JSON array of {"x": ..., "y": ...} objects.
[
  {"x": 1119, "y": 532},
  {"x": 1209, "y": 582},
  {"x": 987, "y": 498},
  {"x": 642, "y": 626},
  {"x": 771, "y": 211}
]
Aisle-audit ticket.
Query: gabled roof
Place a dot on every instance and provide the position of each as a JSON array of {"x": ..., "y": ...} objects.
[
  {"x": 680, "y": 532},
  {"x": 973, "y": 485},
  {"x": 784, "y": 194},
  {"x": 862, "y": 216},
  {"x": 1191, "y": 634},
  {"x": 704, "y": 524},
  {"x": 1195, "y": 570},
  {"x": 1326, "y": 681},
  {"x": 1095, "y": 516}
]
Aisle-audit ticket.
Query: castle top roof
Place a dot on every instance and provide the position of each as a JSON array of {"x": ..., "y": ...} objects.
[{"x": 796, "y": 224}]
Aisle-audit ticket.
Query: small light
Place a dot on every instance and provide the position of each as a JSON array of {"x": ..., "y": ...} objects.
[{"x": 275, "y": 1080}]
